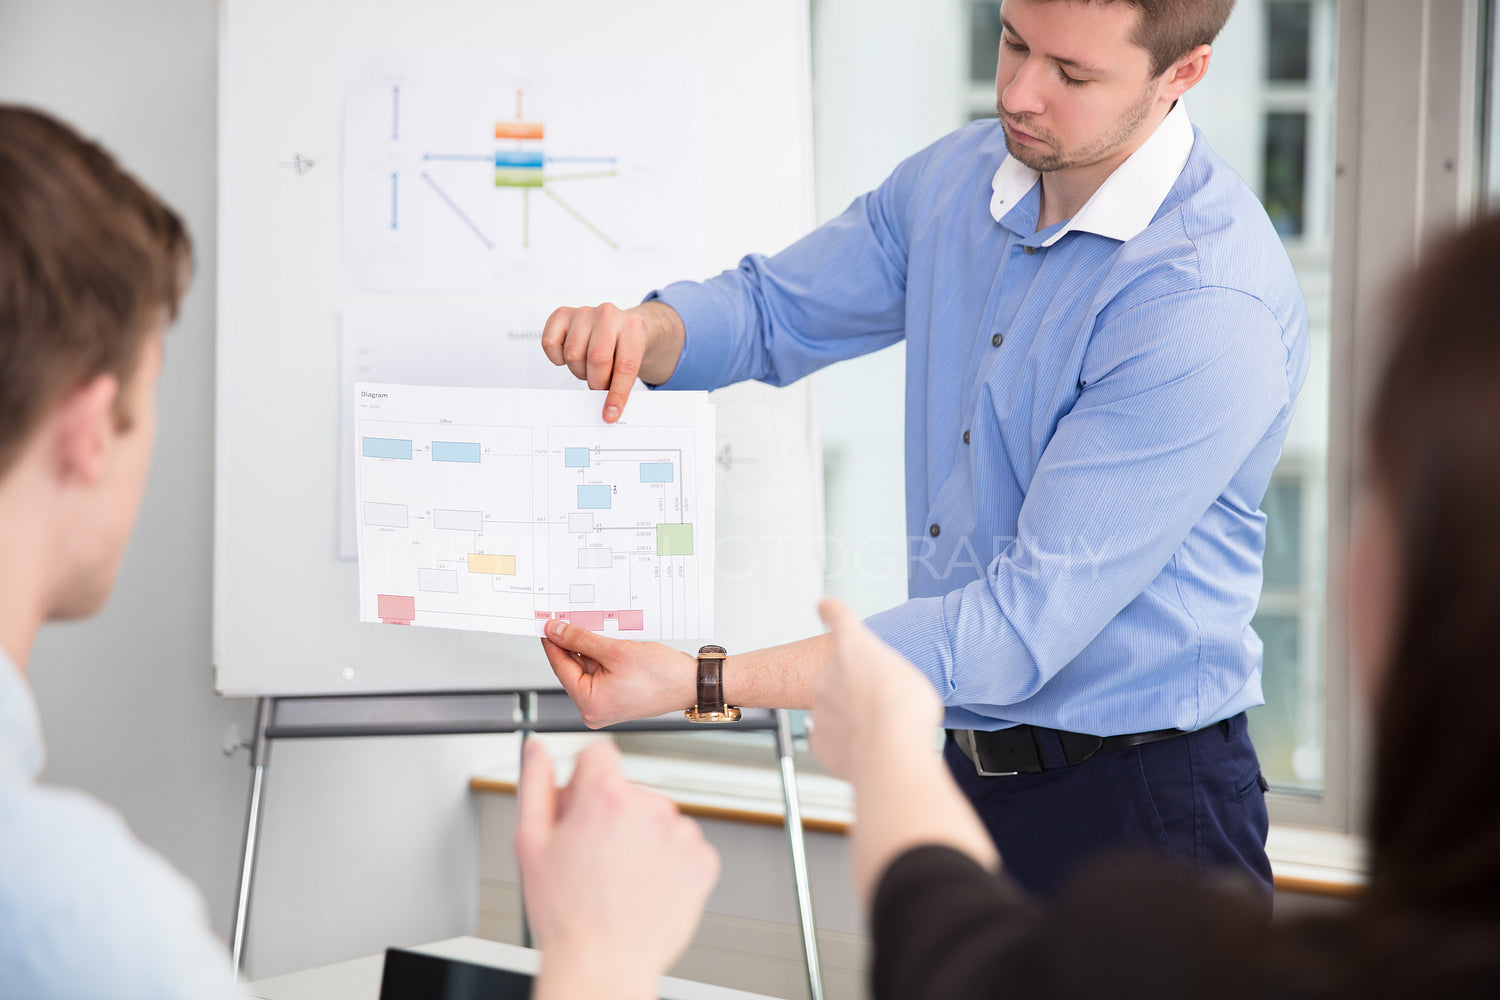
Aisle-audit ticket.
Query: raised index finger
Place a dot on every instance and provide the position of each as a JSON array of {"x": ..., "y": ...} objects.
[
  {"x": 537, "y": 798},
  {"x": 628, "y": 350}
]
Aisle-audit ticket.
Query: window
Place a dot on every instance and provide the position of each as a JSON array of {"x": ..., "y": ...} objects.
[
  {"x": 984, "y": 58},
  {"x": 1288, "y": 41}
]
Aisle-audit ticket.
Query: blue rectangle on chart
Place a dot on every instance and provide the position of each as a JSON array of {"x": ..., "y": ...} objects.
[
  {"x": 657, "y": 472},
  {"x": 576, "y": 458},
  {"x": 387, "y": 448},
  {"x": 455, "y": 451},
  {"x": 517, "y": 158},
  {"x": 595, "y": 497}
]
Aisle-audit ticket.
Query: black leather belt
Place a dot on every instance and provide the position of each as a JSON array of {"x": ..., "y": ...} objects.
[{"x": 1020, "y": 749}]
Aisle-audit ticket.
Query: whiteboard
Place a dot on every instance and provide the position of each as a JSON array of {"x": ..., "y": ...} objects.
[{"x": 285, "y": 600}]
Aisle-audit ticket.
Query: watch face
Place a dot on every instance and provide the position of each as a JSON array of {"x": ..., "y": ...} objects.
[{"x": 712, "y": 651}]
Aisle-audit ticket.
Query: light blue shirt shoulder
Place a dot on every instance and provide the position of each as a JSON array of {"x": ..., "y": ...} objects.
[
  {"x": 1093, "y": 412},
  {"x": 86, "y": 910}
]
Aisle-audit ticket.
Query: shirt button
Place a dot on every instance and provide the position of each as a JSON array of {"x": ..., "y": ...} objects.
[
  {"x": 966, "y": 437},
  {"x": 997, "y": 339},
  {"x": 934, "y": 531},
  {"x": 1030, "y": 251}
]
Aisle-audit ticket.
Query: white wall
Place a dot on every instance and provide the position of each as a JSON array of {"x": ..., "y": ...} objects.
[{"x": 366, "y": 843}]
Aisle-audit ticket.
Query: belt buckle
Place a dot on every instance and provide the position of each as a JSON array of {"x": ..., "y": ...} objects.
[{"x": 971, "y": 750}]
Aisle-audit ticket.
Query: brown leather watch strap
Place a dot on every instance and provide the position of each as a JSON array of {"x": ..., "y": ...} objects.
[
  {"x": 710, "y": 682},
  {"x": 710, "y": 706}
]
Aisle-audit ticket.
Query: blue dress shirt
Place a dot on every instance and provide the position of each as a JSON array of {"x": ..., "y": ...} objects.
[
  {"x": 1093, "y": 412},
  {"x": 86, "y": 910}
]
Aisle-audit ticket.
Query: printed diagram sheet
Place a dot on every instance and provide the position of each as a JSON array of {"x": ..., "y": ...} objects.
[
  {"x": 497, "y": 509},
  {"x": 514, "y": 172}
]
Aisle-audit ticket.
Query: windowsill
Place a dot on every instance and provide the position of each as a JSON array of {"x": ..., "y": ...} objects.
[{"x": 1309, "y": 861}]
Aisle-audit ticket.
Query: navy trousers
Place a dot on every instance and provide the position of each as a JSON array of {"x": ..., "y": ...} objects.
[{"x": 1197, "y": 799}]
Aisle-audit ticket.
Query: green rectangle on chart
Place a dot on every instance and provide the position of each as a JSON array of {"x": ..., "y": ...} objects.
[
  {"x": 674, "y": 539},
  {"x": 517, "y": 177}
]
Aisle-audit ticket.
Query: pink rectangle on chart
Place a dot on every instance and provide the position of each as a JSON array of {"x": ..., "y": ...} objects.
[
  {"x": 632, "y": 621},
  {"x": 543, "y": 615},
  {"x": 591, "y": 620},
  {"x": 395, "y": 610}
]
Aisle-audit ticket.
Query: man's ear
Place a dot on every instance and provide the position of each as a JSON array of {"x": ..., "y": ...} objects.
[
  {"x": 1183, "y": 75},
  {"x": 84, "y": 429}
]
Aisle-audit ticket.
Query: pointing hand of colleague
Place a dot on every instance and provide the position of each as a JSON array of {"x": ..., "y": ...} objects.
[
  {"x": 875, "y": 720},
  {"x": 609, "y": 347},
  {"x": 615, "y": 878},
  {"x": 868, "y": 702}
]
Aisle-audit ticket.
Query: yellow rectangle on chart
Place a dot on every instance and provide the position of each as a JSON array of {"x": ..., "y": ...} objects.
[{"x": 480, "y": 562}]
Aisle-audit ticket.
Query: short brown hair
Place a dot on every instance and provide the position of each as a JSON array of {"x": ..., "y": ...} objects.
[
  {"x": 90, "y": 262},
  {"x": 1434, "y": 445},
  {"x": 1170, "y": 29}
]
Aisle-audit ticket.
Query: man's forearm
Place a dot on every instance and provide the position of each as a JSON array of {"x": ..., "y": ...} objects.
[{"x": 777, "y": 677}]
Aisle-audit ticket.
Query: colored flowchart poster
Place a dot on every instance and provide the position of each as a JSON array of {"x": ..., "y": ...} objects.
[
  {"x": 496, "y": 509},
  {"x": 523, "y": 171}
]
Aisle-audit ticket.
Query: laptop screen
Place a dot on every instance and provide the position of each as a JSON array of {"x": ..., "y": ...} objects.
[{"x": 410, "y": 975}]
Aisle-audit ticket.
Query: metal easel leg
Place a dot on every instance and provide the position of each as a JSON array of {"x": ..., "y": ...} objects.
[
  {"x": 260, "y": 750},
  {"x": 784, "y": 751},
  {"x": 529, "y": 713}
]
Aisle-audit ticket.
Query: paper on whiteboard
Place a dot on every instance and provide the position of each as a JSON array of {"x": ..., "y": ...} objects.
[
  {"x": 430, "y": 345},
  {"x": 525, "y": 172},
  {"x": 494, "y": 510}
]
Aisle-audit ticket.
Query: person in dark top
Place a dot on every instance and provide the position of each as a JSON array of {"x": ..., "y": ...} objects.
[{"x": 1424, "y": 614}]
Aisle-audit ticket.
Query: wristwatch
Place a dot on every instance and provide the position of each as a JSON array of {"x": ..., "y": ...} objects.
[{"x": 711, "y": 707}]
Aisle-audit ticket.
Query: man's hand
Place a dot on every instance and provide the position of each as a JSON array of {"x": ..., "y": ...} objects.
[
  {"x": 615, "y": 680},
  {"x": 608, "y": 347},
  {"x": 615, "y": 878},
  {"x": 868, "y": 701}
]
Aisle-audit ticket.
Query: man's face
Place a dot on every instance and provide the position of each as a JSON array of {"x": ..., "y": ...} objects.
[
  {"x": 113, "y": 500},
  {"x": 1072, "y": 89}
]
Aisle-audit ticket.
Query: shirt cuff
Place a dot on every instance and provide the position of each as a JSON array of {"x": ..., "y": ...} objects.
[
  {"x": 918, "y": 630},
  {"x": 704, "y": 357}
]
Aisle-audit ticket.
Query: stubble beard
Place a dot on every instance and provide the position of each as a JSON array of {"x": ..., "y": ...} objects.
[{"x": 1061, "y": 159}]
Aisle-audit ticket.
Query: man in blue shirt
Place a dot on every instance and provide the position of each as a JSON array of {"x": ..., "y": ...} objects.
[{"x": 1105, "y": 341}]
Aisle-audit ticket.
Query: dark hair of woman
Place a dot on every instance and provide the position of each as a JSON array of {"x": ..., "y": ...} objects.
[{"x": 1434, "y": 446}]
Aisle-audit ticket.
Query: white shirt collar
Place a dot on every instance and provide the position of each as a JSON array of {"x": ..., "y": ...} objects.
[{"x": 1128, "y": 199}]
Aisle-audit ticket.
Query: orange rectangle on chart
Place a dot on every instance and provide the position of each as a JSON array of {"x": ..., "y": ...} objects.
[
  {"x": 518, "y": 130},
  {"x": 492, "y": 565},
  {"x": 394, "y": 610}
]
